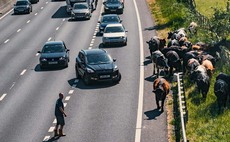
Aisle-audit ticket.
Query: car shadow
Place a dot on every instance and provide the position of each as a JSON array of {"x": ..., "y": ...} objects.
[
  {"x": 61, "y": 13},
  {"x": 110, "y": 46},
  {"x": 77, "y": 20},
  {"x": 152, "y": 114},
  {"x": 95, "y": 85},
  {"x": 38, "y": 68}
]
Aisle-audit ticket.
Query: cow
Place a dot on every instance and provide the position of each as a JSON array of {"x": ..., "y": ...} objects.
[
  {"x": 208, "y": 65},
  {"x": 155, "y": 43},
  {"x": 221, "y": 90},
  {"x": 192, "y": 64},
  {"x": 202, "y": 80},
  {"x": 159, "y": 61},
  {"x": 173, "y": 61},
  {"x": 161, "y": 89}
]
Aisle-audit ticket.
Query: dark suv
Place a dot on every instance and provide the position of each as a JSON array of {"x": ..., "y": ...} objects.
[
  {"x": 96, "y": 65},
  {"x": 113, "y": 6}
]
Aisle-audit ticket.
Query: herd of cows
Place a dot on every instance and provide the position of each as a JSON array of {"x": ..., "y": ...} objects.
[{"x": 196, "y": 60}]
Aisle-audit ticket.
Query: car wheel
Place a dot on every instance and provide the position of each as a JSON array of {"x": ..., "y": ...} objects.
[
  {"x": 41, "y": 67},
  {"x": 86, "y": 79},
  {"x": 119, "y": 79},
  {"x": 66, "y": 65}
]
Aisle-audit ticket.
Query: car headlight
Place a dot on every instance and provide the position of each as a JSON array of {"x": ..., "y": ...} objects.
[
  {"x": 120, "y": 7},
  {"x": 115, "y": 68},
  {"x": 106, "y": 7},
  {"x": 89, "y": 70},
  {"x": 62, "y": 58},
  {"x": 43, "y": 59}
]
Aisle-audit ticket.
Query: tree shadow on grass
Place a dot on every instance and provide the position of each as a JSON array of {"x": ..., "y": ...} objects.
[{"x": 158, "y": 27}]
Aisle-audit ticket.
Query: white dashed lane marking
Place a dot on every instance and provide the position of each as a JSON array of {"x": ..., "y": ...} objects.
[
  {"x": 71, "y": 91},
  {"x": 18, "y": 30},
  {"x": 7, "y": 40},
  {"x": 37, "y": 54},
  {"x": 2, "y": 97},
  {"x": 46, "y": 138},
  {"x": 49, "y": 39},
  {"x": 65, "y": 104},
  {"x": 57, "y": 28},
  {"x": 51, "y": 129},
  {"x": 42, "y": 7},
  {"x": 28, "y": 21},
  {"x": 47, "y": 2},
  {"x": 36, "y": 14},
  {"x": 23, "y": 72},
  {"x": 12, "y": 85},
  {"x": 67, "y": 98}
]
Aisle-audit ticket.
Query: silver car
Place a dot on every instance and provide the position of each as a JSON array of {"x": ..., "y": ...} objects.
[
  {"x": 81, "y": 10},
  {"x": 114, "y": 34}
]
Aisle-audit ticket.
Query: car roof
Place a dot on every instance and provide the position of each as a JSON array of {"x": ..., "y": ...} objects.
[
  {"x": 108, "y": 15},
  {"x": 114, "y": 25},
  {"x": 54, "y": 42},
  {"x": 93, "y": 51},
  {"x": 80, "y": 3}
]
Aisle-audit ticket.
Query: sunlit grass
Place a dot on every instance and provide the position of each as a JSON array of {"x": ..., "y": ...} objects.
[{"x": 205, "y": 7}]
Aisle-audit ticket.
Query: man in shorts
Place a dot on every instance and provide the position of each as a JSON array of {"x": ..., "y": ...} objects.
[{"x": 59, "y": 113}]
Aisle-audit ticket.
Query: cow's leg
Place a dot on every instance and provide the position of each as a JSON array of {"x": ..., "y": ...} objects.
[
  {"x": 157, "y": 102},
  {"x": 154, "y": 65},
  {"x": 162, "y": 104}
]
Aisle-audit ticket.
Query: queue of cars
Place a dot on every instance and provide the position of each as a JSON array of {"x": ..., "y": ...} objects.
[{"x": 92, "y": 65}]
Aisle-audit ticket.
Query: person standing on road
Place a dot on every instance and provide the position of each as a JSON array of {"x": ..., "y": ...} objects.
[{"x": 59, "y": 114}]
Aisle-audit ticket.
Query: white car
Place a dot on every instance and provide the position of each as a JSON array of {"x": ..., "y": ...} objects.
[{"x": 114, "y": 34}]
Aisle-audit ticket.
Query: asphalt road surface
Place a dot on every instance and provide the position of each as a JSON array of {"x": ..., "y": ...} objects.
[{"x": 101, "y": 112}]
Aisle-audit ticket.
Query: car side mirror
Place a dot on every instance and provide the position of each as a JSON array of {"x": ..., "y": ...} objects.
[
  {"x": 120, "y": 20},
  {"x": 104, "y": 2},
  {"x": 67, "y": 50},
  {"x": 39, "y": 52},
  {"x": 114, "y": 60},
  {"x": 126, "y": 30},
  {"x": 99, "y": 22}
]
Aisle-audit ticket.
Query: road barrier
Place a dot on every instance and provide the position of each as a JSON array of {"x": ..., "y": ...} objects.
[{"x": 182, "y": 104}]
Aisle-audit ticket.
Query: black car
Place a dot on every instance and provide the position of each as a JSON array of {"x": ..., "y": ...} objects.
[
  {"x": 96, "y": 65},
  {"x": 113, "y": 6},
  {"x": 54, "y": 53},
  {"x": 22, "y": 6},
  {"x": 108, "y": 19}
]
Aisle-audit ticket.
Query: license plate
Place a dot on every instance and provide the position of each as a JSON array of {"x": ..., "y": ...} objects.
[
  {"x": 51, "y": 63},
  {"x": 104, "y": 76},
  {"x": 113, "y": 10}
]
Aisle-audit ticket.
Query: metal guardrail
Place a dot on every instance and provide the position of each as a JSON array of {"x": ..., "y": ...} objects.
[{"x": 182, "y": 104}]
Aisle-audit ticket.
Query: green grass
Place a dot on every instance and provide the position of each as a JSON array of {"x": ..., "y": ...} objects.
[
  {"x": 205, "y": 124},
  {"x": 205, "y": 7}
]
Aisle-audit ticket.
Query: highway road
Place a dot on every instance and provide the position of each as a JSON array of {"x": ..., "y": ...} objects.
[{"x": 101, "y": 112}]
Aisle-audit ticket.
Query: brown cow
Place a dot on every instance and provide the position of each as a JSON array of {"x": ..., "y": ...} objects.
[
  {"x": 161, "y": 88},
  {"x": 209, "y": 67}
]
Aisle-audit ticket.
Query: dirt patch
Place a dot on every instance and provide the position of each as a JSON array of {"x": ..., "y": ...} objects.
[{"x": 6, "y": 5}]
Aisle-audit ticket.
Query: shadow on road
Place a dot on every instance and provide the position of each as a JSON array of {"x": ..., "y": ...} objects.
[
  {"x": 38, "y": 68},
  {"x": 53, "y": 139},
  {"x": 152, "y": 114},
  {"x": 61, "y": 13}
]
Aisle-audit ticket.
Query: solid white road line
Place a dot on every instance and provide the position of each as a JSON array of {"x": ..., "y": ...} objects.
[
  {"x": 23, "y": 72},
  {"x": 6, "y": 14},
  {"x": 2, "y": 97},
  {"x": 141, "y": 85}
]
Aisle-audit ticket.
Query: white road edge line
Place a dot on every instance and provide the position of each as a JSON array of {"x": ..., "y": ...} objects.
[
  {"x": 141, "y": 85},
  {"x": 23, "y": 72},
  {"x": 2, "y": 97},
  {"x": 6, "y": 14}
]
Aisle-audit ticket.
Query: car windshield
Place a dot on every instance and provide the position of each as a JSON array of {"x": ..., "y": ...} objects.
[
  {"x": 95, "y": 59},
  {"x": 54, "y": 48},
  {"x": 80, "y": 6},
  {"x": 116, "y": 29},
  {"x": 113, "y": 1},
  {"x": 109, "y": 19},
  {"x": 21, "y": 3}
]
